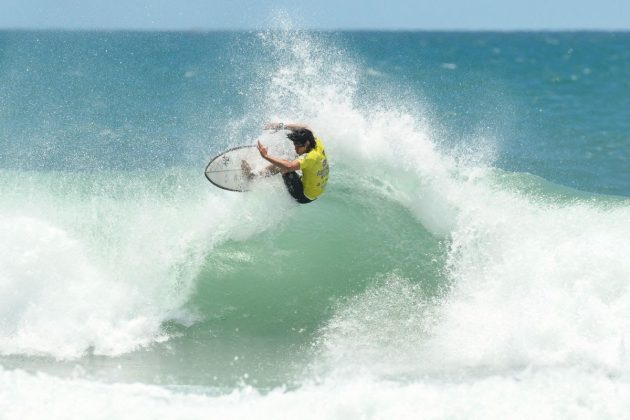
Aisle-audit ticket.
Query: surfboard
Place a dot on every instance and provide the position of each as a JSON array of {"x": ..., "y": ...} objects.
[{"x": 225, "y": 171}]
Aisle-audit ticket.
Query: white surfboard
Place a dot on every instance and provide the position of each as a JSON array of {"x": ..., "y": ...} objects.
[{"x": 225, "y": 171}]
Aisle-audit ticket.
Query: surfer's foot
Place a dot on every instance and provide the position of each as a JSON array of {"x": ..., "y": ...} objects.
[{"x": 247, "y": 170}]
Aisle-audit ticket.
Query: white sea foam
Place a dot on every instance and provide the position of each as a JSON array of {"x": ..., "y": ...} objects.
[
  {"x": 537, "y": 284},
  {"x": 530, "y": 286},
  {"x": 547, "y": 394},
  {"x": 103, "y": 274},
  {"x": 534, "y": 281},
  {"x": 56, "y": 302}
]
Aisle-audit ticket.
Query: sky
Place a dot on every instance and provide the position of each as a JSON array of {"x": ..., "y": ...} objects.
[{"x": 316, "y": 14}]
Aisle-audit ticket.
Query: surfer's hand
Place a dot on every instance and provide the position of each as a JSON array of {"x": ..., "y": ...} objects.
[
  {"x": 274, "y": 126},
  {"x": 262, "y": 149}
]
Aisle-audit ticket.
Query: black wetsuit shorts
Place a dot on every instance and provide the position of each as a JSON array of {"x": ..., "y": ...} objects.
[{"x": 294, "y": 184}]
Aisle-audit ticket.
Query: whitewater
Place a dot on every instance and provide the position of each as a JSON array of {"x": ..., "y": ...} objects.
[{"x": 431, "y": 280}]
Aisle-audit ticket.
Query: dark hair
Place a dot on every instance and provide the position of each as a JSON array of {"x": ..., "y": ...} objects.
[{"x": 302, "y": 136}]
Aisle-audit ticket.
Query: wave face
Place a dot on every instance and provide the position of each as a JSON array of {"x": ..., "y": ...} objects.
[{"x": 467, "y": 259}]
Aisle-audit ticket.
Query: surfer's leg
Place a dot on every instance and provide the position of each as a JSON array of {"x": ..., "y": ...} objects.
[
  {"x": 270, "y": 170},
  {"x": 295, "y": 187}
]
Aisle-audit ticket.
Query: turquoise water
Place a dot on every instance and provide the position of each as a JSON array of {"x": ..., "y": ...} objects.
[{"x": 469, "y": 256}]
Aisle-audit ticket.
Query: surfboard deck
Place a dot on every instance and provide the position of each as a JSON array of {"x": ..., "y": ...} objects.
[{"x": 224, "y": 170}]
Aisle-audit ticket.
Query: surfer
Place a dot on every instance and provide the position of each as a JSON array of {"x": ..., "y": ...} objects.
[{"x": 311, "y": 161}]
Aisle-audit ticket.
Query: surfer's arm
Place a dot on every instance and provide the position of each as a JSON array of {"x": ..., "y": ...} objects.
[
  {"x": 282, "y": 126},
  {"x": 283, "y": 164}
]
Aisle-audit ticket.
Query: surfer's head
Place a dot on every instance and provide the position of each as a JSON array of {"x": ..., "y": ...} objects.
[{"x": 302, "y": 137}]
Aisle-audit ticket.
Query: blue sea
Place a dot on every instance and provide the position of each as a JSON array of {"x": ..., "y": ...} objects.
[{"x": 469, "y": 259}]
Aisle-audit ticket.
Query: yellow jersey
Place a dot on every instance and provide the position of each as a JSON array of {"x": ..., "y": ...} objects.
[{"x": 314, "y": 166}]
